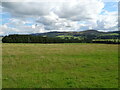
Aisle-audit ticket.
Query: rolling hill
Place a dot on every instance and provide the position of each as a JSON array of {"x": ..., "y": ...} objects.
[
  {"x": 88, "y": 36},
  {"x": 90, "y": 33}
]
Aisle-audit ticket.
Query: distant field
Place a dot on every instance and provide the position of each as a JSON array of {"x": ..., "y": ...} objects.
[
  {"x": 60, "y": 66},
  {"x": 1, "y": 39}
]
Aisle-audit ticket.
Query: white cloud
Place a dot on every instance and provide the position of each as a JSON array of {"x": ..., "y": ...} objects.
[
  {"x": 65, "y": 15},
  {"x": 17, "y": 26},
  {"x": 5, "y": 30},
  {"x": 74, "y": 10},
  {"x": 108, "y": 21},
  {"x": 53, "y": 22},
  {"x": 80, "y": 10}
]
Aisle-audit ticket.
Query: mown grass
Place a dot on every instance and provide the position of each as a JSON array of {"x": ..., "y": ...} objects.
[{"x": 60, "y": 66}]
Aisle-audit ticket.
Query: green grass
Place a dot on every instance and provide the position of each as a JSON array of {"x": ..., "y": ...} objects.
[
  {"x": 110, "y": 34},
  {"x": 112, "y": 40},
  {"x": 69, "y": 36},
  {"x": 60, "y": 66}
]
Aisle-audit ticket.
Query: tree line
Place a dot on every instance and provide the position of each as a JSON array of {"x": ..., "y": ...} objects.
[
  {"x": 42, "y": 39},
  {"x": 106, "y": 41},
  {"x": 36, "y": 39}
]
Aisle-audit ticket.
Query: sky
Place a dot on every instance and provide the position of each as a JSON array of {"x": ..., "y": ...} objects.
[{"x": 39, "y": 16}]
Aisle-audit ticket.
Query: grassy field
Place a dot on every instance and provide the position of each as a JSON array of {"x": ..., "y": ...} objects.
[{"x": 60, "y": 66}]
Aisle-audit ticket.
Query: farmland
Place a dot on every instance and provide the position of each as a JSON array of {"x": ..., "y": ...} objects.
[
  {"x": 60, "y": 65},
  {"x": 88, "y": 36}
]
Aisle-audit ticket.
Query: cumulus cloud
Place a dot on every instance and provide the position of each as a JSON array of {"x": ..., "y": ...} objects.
[
  {"x": 74, "y": 10},
  {"x": 109, "y": 21},
  {"x": 48, "y": 20},
  {"x": 80, "y": 10},
  {"x": 17, "y": 26},
  {"x": 66, "y": 15},
  {"x": 27, "y": 9},
  {"x": 53, "y": 22},
  {"x": 5, "y": 30}
]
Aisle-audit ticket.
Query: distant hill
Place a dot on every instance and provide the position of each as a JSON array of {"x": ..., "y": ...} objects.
[
  {"x": 88, "y": 36},
  {"x": 81, "y": 33}
]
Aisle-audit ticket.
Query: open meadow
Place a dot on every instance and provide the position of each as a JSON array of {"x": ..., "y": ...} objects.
[{"x": 60, "y": 65}]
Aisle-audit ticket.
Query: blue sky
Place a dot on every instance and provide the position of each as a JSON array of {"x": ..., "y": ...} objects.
[
  {"x": 25, "y": 17},
  {"x": 5, "y": 17},
  {"x": 111, "y": 6}
]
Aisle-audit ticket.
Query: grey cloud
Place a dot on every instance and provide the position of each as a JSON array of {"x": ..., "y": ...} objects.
[
  {"x": 27, "y": 8},
  {"x": 47, "y": 20}
]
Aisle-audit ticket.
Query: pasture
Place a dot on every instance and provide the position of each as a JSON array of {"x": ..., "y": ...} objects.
[{"x": 60, "y": 65}]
